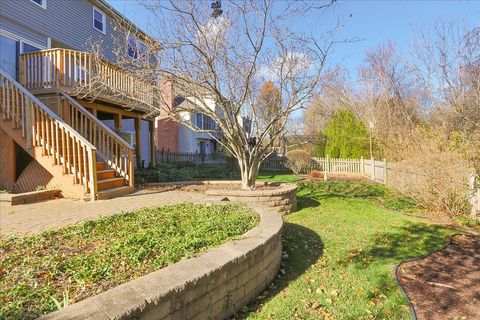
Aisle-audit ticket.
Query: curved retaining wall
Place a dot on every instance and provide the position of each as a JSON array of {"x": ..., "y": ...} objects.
[
  {"x": 282, "y": 199},
  {"x": 214, "y": 285}
]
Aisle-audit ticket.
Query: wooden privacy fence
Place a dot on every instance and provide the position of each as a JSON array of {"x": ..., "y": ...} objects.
[
  {"x": 373, "y": 169},
  {"x": 215, "y": 159}
]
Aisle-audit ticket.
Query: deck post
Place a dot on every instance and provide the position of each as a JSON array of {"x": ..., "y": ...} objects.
[
  {"x": 138, "y": 142},
  {"x": 11, "y": 162},
  {"x": 93, "y": 174},
  {"x": 151, "y": 126}
]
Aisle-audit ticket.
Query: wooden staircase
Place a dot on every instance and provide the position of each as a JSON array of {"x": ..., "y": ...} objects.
[{"x": 68, "y": 145}]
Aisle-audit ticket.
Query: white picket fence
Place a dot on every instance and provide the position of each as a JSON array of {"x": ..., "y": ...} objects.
[
  {"x": 474, "y": 186},
  {"x": 370, "y": 168}
]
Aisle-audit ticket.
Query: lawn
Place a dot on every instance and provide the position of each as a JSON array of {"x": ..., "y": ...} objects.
[
  {"x": 39, "y": 273},
  {"x": 342, "y": 245},
  {"x": 274, "y": 176}
]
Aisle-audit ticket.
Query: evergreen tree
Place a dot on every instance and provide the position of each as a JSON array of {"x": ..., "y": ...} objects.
[{"x": 347, "y": 136}]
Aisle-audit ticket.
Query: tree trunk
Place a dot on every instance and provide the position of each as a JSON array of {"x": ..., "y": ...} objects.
[{"x": 248, "y": 171}]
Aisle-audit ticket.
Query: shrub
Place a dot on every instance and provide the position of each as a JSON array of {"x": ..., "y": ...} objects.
[
  {"x": 298, "y": 161},
  {"x": 438, "y": 181},
  {"x": 169, "y": 172}
]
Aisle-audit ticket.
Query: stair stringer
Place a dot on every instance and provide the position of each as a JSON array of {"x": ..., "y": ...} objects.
[{"x": 64, "y": 182}]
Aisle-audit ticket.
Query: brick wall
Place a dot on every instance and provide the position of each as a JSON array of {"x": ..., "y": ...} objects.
[
  {"x": 167, "y": 134},
  {"x": 214, "y": 285}
]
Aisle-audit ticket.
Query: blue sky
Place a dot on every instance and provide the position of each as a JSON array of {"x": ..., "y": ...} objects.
[{"x": 373, "y": 22}]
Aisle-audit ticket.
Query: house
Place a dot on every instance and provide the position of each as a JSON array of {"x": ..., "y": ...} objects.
[
  {"x": 184, "y": 135},
  {"x": 53, "y": 132}
]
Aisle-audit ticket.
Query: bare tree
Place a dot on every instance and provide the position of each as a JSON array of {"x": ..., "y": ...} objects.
[
  {"x": 389, "y": 100},
  {"x": 225, "y": 57},
  {"x": 448, "y": 70}
]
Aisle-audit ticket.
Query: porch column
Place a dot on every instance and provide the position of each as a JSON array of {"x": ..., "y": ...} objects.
[
  {"x": 138, "y": 142},
  {"x": 117, "y": 120},
  {"x": 151, "y": 127},
  {"x": 11, "y": 163}
]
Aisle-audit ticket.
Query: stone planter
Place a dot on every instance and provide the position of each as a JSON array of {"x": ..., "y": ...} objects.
[{"x": 282, "y": 197}]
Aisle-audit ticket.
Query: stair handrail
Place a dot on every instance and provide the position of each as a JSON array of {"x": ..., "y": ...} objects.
[
  {"x": 47, "y": 110},
  {"x": 120, "y": 159},
  {"x": 90, "y": 185},
  {"x": 96, "y": 120}
]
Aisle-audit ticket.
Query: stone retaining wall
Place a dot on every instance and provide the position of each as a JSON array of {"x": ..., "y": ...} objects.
[
  {"x": 282, "y": 198},
  {"x": 214, "y": 285}
]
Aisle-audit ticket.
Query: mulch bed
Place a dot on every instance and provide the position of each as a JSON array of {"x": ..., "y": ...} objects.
[{"x": 445, "y": 284}]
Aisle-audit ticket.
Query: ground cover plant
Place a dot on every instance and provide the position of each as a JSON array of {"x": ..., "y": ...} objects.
[
  {"x": 340, "y": 250},
  {"x": 40, "y": 273},
  {"x": 173, "y": 172}
]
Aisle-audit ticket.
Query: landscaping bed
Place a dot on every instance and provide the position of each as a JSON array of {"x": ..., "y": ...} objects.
[
  {"x": 41, "y": 273},
  {"x": 445, "y": 284}
]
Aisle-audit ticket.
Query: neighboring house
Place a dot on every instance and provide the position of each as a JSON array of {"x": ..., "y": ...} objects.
[
  {"x": 177, "y": 136},
  {"x": 51, "y": 133}
]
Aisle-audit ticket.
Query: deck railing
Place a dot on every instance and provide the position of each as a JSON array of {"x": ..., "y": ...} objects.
[
  {"x": 41, "y": 127},
  {"x": 111, "y": 147},
  {"x": 78, "y": 71}
]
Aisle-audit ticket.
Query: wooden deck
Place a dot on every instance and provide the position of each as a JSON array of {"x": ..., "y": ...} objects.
[{"x": 82, "y": 74}]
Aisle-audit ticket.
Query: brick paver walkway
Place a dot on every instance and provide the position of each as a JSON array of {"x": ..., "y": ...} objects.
[{"x": 36, "y": 217}]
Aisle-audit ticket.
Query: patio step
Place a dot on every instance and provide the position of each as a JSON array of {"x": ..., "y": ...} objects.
[{"x": 114, "y": 192}]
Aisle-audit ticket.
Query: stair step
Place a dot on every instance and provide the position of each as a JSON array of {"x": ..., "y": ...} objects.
[
  {"x": 105, "y": 174},
  {"x": 101, "y": 166},
  {"x": 114, "y": 192},
  {"x": 110, "y": 183}
]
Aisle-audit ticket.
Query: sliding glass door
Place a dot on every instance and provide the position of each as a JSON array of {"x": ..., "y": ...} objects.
[{"x": 9, "y": 49}]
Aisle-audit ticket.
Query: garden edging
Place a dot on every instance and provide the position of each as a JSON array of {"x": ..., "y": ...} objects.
[{"x": 213, "y": 285}]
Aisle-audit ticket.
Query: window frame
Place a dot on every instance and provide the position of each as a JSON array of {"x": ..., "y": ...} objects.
[
  {"x": 104, "y": 20},
  {"x": 43, "y": 5}
]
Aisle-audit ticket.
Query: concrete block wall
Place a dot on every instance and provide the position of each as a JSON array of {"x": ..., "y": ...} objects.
[{"x": 213, "y": 285}]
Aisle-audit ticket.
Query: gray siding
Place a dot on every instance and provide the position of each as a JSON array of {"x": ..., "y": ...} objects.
[
  {"x": 65, "y": 21},
  {"x": 23, "y": 32}
]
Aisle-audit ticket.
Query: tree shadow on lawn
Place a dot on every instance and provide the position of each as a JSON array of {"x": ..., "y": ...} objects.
[
  {"x": 304, "y": 247},
  {"x": 410, "y": 240}
]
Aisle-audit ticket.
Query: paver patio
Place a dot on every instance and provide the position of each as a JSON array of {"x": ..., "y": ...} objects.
[{"x": 37, "y": 217}]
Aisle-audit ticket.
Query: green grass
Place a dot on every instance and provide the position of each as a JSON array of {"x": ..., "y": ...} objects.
[
  {"x": 39, "y": 273},
  {"x": 342, "y": 245},
  {"x": 277, "y": 176}
]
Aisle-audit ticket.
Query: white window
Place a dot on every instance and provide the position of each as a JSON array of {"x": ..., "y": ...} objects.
[
  {"x": 99, "y": 20},
  {"x": 41, "y": 3}
]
